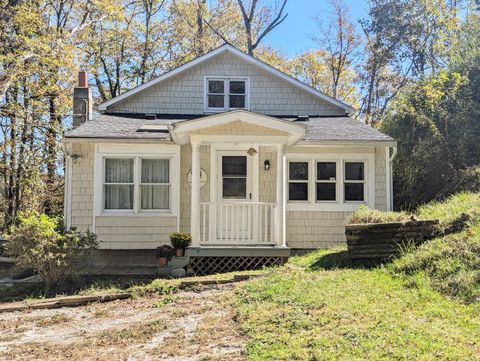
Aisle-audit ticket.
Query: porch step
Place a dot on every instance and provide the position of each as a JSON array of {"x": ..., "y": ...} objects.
[{"x": 238, "y": 251}]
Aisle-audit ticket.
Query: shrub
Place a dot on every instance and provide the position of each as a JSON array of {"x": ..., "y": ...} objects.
[
  {"x": 367, "y": 215},
  {"x": 165, "y": 251},
  {"x": 40, "y": 242},
  {"x": 180, "y": 240}
]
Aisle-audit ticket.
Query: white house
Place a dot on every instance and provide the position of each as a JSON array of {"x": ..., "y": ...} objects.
[{"x": 228, "y": 148}]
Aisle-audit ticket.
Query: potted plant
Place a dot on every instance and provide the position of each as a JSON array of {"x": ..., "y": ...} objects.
[
  {"x": 180, "y": 241},
  {"x": 164, "y": 253}
]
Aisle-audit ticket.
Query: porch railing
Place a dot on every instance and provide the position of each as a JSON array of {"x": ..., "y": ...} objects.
[{"x": 237, "y": 223}]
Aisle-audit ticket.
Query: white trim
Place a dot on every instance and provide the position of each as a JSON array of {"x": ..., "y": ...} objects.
[
  {"x": 226, "y": 83},
  {"x": 231, "y": 49},
  {"x": 68, "y": 190},
  {"x": 137, "y": 152},
  {"x": 295, "y": 131},
  {"x": 339, "y": 205}
]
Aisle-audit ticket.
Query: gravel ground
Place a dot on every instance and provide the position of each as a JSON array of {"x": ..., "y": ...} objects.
[{"x": 185, "y": 326}]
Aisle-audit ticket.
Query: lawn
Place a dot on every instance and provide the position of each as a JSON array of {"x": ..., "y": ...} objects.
[{"x": 314, "y": 310}]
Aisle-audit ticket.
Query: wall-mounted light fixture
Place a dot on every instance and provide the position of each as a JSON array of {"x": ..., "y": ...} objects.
[
  {"x": 76, "y": 157},
  {"x": 266, "y": 165}
]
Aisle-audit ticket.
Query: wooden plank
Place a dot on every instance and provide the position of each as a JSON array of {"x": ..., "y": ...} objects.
[
  {"x": 72, "y": 301},
  {"x": 428, "y": 222}
]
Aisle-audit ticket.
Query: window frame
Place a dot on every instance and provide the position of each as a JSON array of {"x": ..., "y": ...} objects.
[
  {"x": 137, "y": 183},
  {"x": 169, "y": 184},
  {"x": 307, "y": 181},
  {"x": 336, "y": 181},
  {"x": 226, "y": 92},
  {"x": 104, "y": 167},
  {"x": 364, "y": 181}
]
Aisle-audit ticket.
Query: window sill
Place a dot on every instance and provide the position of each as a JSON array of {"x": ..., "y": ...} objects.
[
  {"x": 324, "y": 206},
  {"x": 139, "y": 214}
]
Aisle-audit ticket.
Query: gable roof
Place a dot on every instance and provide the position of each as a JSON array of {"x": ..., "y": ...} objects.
[{"x": 233, "y": 50}]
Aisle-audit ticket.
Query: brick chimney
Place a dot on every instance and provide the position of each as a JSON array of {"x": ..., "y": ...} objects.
[{"x": 82, "y": 100}]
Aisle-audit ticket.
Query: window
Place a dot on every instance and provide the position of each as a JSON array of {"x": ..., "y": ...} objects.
[
  {"x": 155, "y": 184},
  {"x": 122, "y": 187},
  {"x": 234, "y": 177},
  {"x": 326, "y": 182},
  {"x": 225, "y": 94},
  {"x": 118, "y": 184},
  {"x": 354, "y": 183},
  {"x": 298, "y": 181}
]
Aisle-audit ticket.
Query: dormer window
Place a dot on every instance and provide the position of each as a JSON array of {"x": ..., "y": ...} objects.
[{"x": 226, "y": 94}]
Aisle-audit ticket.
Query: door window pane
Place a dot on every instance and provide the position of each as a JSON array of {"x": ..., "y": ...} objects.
[
  {"x": 354, "y": 171},
  {"x": 298, "y": 191},
  {"x": 234, "y": 188},
  {"x": 354, "y": 191},
  {"x": 234, "y": 166}
]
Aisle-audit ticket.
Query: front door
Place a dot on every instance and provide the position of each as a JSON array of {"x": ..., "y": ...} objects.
[{"x": 235, "y": 190}]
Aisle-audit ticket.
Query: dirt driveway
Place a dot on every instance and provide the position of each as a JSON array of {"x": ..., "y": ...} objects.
[{"x": 185, "y": 326}]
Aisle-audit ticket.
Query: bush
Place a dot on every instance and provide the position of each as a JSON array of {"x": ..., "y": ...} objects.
[
  {"x": 40, "y": 242},
  {"x": 165, "y": 251},
  {"x": 180, "y": 240}
]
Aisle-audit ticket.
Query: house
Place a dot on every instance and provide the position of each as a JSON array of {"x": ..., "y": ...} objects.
[{"x": 248, "y": 159}]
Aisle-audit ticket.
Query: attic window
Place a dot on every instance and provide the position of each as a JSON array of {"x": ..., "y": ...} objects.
[
  {"x": 226, "y": 94},
  {"x": 153, "y": 128}
]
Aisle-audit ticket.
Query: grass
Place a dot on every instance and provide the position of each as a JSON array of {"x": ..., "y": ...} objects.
[
  {"x": 319, "y": 308},
  {"x": 366, "y": 215}
]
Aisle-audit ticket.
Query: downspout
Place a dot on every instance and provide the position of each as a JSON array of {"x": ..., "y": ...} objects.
[
  {"x": 390, "y": 161},
  {"x": 68, "y": 188}
]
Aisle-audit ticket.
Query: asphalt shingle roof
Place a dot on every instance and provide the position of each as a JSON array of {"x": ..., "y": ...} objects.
[{"x": 127, "y": 126}]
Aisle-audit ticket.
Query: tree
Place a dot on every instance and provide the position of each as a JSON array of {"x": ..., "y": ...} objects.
[
  {"x": 259, "y": 21},
  {"x": 339, "y": 43}
]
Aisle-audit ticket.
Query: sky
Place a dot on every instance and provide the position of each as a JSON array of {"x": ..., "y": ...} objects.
[{"x": 293, "y": 36}]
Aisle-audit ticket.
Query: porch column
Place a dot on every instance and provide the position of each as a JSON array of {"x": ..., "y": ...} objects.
[
  {"x": 280, "y": 219},
  {"x": 195, "y": 207}
]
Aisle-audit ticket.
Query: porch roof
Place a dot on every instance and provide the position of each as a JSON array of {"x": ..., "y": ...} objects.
[{"x": 318, "y": 128}]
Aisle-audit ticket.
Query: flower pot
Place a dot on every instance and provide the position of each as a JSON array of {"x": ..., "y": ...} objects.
[
  {"x": 179, "y": 252},
  {"x": 162, "y": 261}
]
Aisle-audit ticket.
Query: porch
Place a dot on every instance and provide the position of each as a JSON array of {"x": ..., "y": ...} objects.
[{"x": 235, "y": 211}]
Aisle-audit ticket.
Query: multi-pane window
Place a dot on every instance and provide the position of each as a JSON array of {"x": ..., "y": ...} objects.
[
  {"x": 234, "y": 177},
  {"x": 155, "y": 184},
  {"x": 224, "y": 94},
  {"x": 354, "y": 182},
  {"x": 118, "y": 184},
  {"x": 121, "y": 187},
  {"x": 326, "y": 182},
  {"x": 298, "y": 181}
]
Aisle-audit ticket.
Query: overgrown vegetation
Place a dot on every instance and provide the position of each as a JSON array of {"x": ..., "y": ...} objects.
[
  {"x": 368, "y": 215},
  {"x": 40, "y": 242}
]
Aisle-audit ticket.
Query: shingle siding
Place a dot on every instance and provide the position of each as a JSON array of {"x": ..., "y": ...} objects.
[{"x": 184, "y": 93}]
